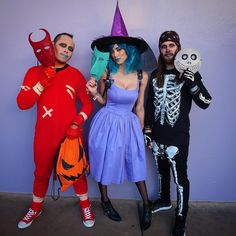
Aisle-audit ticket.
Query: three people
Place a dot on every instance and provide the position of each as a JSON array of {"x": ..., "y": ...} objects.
[
  {"x": 116, "y": 145},
  {"x": 167, "y": 124},
  {"x": 56, "y": 91}
]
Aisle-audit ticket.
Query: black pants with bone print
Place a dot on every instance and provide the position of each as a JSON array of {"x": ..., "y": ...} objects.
[{"x": 173, "y": 158}]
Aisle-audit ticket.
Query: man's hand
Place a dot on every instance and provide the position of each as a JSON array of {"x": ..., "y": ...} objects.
[
  {"x": 73, "y": 132},
  {"x": 147, "y": 134},
  {"x": 47, "y": 79},
  {"x": 188, "y": 77}
]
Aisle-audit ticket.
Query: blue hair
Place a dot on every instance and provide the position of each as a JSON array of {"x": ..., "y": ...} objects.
[{"x": 133, "y": 61}]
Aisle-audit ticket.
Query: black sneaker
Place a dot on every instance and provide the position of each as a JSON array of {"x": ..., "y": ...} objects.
[
  {"x": 179, "y": 228},
  {"x": 160, "y": 205}
]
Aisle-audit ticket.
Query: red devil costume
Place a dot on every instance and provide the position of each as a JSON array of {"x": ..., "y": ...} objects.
[{"x": 56, "y": 93}]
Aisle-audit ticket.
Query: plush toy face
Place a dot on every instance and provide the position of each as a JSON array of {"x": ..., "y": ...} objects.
[{"x": 188, "y": 58}]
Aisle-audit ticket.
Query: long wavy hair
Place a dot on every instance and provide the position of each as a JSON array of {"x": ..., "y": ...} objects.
[{"x": 133, "y": 61}]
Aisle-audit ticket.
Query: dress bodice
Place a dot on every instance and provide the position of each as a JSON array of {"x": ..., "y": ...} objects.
[{"x": 121, "y": 100}]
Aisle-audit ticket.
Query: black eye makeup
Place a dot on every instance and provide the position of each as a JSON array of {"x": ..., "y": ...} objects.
[
  {"x": 71, "y": 49},
  {"x": 63, "y": 45}
]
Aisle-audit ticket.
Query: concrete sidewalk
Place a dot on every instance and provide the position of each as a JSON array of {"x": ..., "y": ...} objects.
[{"x": 62, "y": 217}]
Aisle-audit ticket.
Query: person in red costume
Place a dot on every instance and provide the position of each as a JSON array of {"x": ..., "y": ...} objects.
[{"x": 55, "y": 90}]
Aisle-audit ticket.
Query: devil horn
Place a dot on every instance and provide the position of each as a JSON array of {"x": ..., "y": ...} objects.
[{"x": 46, "y": 32}]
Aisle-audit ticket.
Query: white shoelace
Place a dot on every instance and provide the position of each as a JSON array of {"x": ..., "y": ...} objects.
[
  {"x": 29, "y": 214},
  {"x": 87, "y": 213}
]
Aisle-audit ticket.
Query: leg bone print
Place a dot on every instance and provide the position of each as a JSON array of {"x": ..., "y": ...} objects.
[{"x": 169, "y": 152}]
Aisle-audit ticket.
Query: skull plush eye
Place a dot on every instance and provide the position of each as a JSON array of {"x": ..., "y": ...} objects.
[{"x": 188, "y": 58}]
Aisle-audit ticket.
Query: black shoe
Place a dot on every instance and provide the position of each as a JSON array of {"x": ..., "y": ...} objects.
[
  {"x": 160, "y": 205},
  {"x": 110, "y": 212},
  {"x": 147, "y": 216},
  {"x": 179, "y": 227}
]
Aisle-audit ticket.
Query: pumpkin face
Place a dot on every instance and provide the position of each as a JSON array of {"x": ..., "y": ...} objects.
[
  {"x": 71, "y": 162},
  {"x": 188, "y": 58}
]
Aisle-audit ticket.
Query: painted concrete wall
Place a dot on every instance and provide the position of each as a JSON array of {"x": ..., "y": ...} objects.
[{"x": 207, "y": 26}]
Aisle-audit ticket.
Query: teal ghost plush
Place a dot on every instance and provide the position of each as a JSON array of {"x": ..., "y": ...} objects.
[{"x": 99, "y": 63}]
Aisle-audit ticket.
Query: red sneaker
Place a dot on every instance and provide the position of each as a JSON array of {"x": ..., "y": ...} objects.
[
  {"x": 88, "y": 216},
  {"x": 27, "y": 220}
]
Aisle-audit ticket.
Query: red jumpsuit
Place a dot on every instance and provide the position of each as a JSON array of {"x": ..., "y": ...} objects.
[{"x": 56, "y": 110}]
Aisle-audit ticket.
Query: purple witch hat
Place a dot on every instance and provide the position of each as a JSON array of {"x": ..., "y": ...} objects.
[
  {"x": 118, "y": 26},
  {"x": 118, "y": 35}
]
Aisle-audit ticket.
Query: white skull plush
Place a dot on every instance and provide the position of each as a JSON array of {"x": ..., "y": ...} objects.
[{"x": 188, "y": 58}]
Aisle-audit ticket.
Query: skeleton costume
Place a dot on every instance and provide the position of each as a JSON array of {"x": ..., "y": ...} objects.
[{"x": 167, "y": 114}]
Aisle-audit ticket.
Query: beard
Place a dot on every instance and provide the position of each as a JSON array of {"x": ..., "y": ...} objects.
[
  {"x": 169, "y": 58},
  {"x": 169, "y": 61}
]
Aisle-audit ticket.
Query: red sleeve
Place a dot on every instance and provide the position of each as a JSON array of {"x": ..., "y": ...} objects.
[
  {"x": 84, "y": 98},
  {"x": 27, "y": 97}
]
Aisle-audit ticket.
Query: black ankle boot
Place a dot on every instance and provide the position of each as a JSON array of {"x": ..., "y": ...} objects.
[
  {"x": 179, "y": 227},
  {"x": 109, "y": 211},
  {"x": 147, "y": 216}
]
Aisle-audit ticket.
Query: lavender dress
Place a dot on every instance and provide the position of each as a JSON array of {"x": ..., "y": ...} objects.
[{"x": 116, "y": 145}]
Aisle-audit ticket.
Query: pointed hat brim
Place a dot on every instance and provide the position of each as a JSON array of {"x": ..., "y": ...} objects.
[{"x": 103, "y": 43}]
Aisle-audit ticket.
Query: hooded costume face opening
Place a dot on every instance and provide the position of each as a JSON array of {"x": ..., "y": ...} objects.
[{"x": 43, "y": 49}]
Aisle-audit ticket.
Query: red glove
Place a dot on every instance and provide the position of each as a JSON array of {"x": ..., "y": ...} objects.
[
  {"x": 73, "y": 133},
  {"x": 48, "y": 77},
  {"x": 79, "y": 120}
]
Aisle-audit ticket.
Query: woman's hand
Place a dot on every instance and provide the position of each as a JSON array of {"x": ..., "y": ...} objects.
[{"x": 91, "y": 86}]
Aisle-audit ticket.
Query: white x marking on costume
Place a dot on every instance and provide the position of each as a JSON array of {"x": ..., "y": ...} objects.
[{"x": 47, "y": 112}]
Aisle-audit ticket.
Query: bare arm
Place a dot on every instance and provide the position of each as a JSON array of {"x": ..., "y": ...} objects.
[{"x": 139, "y": 109}]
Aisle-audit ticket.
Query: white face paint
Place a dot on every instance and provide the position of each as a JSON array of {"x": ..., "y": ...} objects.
[{"x": 188, "y": 58}]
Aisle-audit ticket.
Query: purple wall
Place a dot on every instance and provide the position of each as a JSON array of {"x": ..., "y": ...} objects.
[{"x": 208, "y": 27}]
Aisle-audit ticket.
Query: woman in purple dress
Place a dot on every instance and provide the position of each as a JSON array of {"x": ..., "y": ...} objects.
[{"x": 116, "y": 145}]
